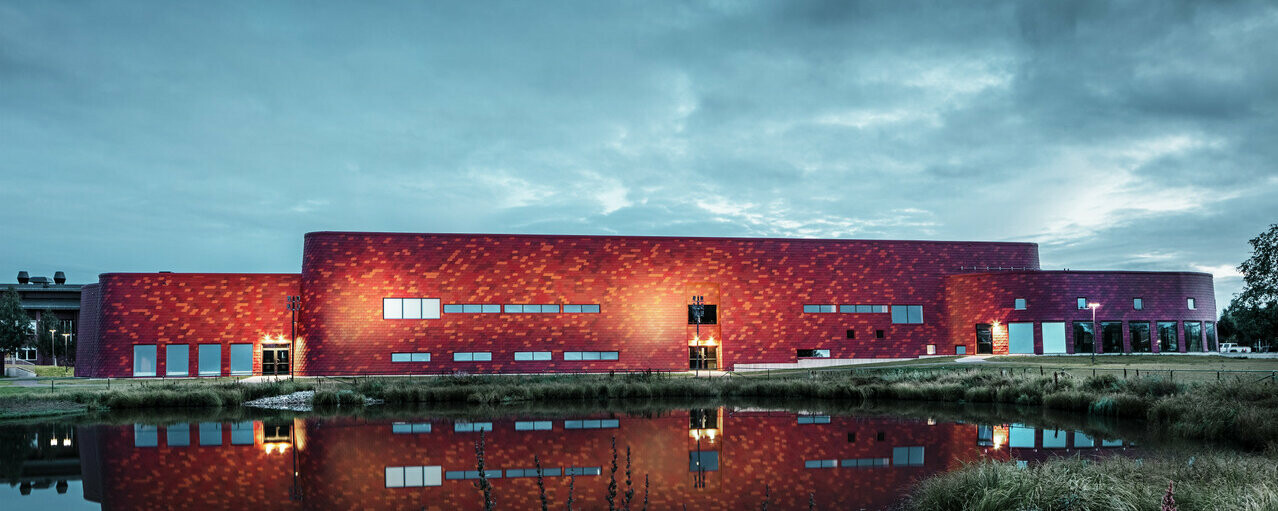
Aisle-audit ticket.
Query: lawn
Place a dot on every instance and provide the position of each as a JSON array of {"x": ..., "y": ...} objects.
[{"x": 47, "y": 371}]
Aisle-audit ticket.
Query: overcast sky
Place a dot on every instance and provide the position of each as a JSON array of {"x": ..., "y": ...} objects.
[{"x": 199, "y": 136}]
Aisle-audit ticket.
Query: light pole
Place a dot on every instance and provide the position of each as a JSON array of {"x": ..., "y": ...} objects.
[
  {"x": 294, "y": 305},
  {"x": 53, "y": 346},
  {"x": 698, "y": 309},
  {"x": 1093, "y": 306},
  {"x": 66, "y": 350}
]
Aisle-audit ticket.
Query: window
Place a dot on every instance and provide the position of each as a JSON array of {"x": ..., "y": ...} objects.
[
  {"x": 812, "y": 353},
  {"x": 864, "y": 463},
  {"x": 1020, "y": 338},
  {"x": 590, "y": 355},
  {"x": 413, "y": 477},
  {"x": 960, "y": 349},
  {"x": 878, "y": 334},
  {"x": 410, "y": 308},
  {"x": 1138, "y": 331},
  {"x": 410, "y": 357},
  {"x": 1111, "y": 336},
  {"x": 907, "y": 456},
  {"x": 409, "y": 428},
  {"x": 1209, "y": 330},
  {"x": 1019, "y": 304},
  {"x": 820, "y": 463},
  {"x": 177, "y": 361},
  {"x": 703, "y": 461},
  {"x": 879, "y": 436},
  {"x": 241, "y": 359},
  {"x": 146, "y": 435},
  {"x": 863, "y": 309},
  {"x": 1084, "y": 337},
  {"x": 516, "y": 309},
  {"x": 851, "y": 334},
  {"x": 532, "y": 356},
  {"x": 709, "y": 315},
  {"x": 583, "y": 471},
  {"x": 210, "y": 360},
  {"x": 582, "y": 309},
  {"x": 178, "y": 435},
  {"x": 143, "y": 360},
  {"x": 533, "y": 425},
  {"x": 818, "y": 309},
  {"x": 477, "y": 356},
  {"x": 907, "y": 314},
  {"x": 242, "y": 433},
  {"x": 472, "y": 427},
  {"x": 1194, "y": 336},
  {"x": 1053, "y": 336},
  {"x": 532, "y": 472},
  {"x": 210, "y": 433},
  {"x": 931, "y": 349},
  {"x": 452, "y": 308},
  {"x": 1167, "y": 338},
  {"x": 812, "y": 419},
  {"x": 1191, "y": 304},
  {"x": 1138, "y": 304},
  {"x": 592, "y": 424},
  {"x": 1082, "y": 302},
  {"x": 472, "y": 474}
]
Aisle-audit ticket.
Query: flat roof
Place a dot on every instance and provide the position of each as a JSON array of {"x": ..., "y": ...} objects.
[{"x": 618, "y": 236}]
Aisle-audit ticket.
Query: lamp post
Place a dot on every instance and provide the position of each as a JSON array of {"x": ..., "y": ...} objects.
[
  {"x": 53, "y": 346},
  {"x": 294, "y": 305},
  {"x": 66, "y": 350},
  {"x": 698, "y": 309},
  {"x": 1093, "y": 306}
]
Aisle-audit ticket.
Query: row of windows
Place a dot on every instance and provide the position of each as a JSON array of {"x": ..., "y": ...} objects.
[
  {"x": 1197, "y": 337},
  {"x": 177, "y": 361},
  {"x": 1020, "y": 304},
  {"x": 413, "y": 477},
  {"x": 429, "y": 308},
  {"x": 479, "y": 356},
  {"x": 901, "y": 457},
  {"x": 179, "y": 435},
  {"x": 846, "y": 309},
  {"x": 592, "y": 424},
  {"x": 520, "y": 472},
  {"x": 407, "y": 428}
]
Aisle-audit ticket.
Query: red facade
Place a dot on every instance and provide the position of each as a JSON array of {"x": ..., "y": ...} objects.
[{"x": 642, "y": 286}]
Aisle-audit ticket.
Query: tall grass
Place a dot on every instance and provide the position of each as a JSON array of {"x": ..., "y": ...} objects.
[{"x": 1211, "y": 481}]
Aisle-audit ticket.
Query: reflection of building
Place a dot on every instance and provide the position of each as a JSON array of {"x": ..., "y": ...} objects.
[
  {"x": 41, "y": 457},
  {"x": 40, "y": 295},
  {"x": 419, "y": 303},
  {"x": 847, "y": 462}
]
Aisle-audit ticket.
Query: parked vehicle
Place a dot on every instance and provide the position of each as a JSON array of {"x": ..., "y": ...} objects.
[{"x": 1229, "y": 347}]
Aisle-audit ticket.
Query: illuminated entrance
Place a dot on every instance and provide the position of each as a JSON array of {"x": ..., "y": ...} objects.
[
  {"x": 703, "y": 357},
  {"x": 274, "y": 359}
]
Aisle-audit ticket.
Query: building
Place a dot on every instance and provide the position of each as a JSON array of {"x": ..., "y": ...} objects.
[
  {"x": 39, "y": 296},
  {"x": 395, "y": 303}
]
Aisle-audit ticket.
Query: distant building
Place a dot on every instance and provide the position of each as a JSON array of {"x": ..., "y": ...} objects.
[
  {"x": 40, "y": 294},
  {"x": 399, "y": 303}
]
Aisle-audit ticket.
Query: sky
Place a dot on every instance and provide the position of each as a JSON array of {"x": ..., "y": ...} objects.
[{"x": 209, "y": 136}]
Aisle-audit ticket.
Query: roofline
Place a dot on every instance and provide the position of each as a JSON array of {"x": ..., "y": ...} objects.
[
  {"x": 197, "y": 274},
  {"x": 620, "y": 236},
  {"x": 1087, "y": 272}
]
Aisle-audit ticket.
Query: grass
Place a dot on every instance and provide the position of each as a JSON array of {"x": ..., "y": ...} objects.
[
  {"x": 1203, "y": 481},
  {"x": 50, "y": 371}
]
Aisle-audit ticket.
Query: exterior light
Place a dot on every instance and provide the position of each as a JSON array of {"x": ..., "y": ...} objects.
[{"x": 66, "y": 442}]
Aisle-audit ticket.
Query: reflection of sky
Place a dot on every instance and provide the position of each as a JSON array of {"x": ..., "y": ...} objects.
[
  {"x": 1020, "y": 436},
  {"x": 47, "y": 498}
]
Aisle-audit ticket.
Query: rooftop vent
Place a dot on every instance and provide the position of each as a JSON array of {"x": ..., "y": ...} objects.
[
  {"x": 40, "y": 280},
  {"x": 59, "y": 278},
  {"x": 24, "y": 277}
]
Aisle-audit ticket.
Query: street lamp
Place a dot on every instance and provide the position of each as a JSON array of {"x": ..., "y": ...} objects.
[
  {"x": 1093, "y": 306},
  {"x": 294, "y": 305},
  {"x": 53, "y": 346},
  {"x": 698, "y": 309},
  {"x": 66, "y": 350}
]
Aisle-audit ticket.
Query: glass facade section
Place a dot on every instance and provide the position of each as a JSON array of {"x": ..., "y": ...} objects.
[
  {"x": 1209, "y": 329},
  {"x": 1167, "y": 337},
  {"x": 907, "y": 314},
  {"x": 1084, "y": 336},
  {"x": 1020, "y": 338},
  {"x": 1111, "y": 336},
  {"x": 1138, "y": 331},
  {"x": 177, "y": 361},
  {"x": 210, "y": 360},
  {"x": 1194, "y": 336},
  {"x": 143, "y": 360},
  {"x": 241, "y": 359}
]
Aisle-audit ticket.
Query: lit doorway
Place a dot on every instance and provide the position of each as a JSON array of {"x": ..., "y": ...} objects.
[
  {"x": 984, "y": 339},
  {"x": 275, "y": 360},
  {"x": 703, "y": 357}
]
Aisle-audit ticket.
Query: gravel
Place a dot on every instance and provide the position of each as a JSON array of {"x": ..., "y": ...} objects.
[{"x": 297, "y": 401}]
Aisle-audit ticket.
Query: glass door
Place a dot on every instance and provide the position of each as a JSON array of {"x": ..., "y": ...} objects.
[
  {"x": 984, "y": 339},
  {"x": 274, "y": 360}
]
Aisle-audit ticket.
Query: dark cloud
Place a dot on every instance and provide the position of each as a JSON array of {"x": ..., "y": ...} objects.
[{"x": 209, "y": 136}]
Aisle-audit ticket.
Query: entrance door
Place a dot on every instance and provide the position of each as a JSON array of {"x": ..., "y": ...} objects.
[
  {"x": 703, "y": 357},
  {"x": 274, "y": 360},
  {"x": 984, "y": 339}
]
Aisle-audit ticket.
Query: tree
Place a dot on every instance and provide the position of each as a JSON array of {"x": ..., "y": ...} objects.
[
  {"x": 47, "y": 344},
  {"x": 1252, "y": 316},
  {"x": 15, "y": 326}
]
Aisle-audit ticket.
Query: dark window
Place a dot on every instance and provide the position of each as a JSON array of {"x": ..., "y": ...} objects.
[
  {"x": 1167, "y": 337},
  {"x": 851, "y": 438},
  {"x": 1112, "y": 336},
  {"x": 703, "y": 418},
  {"x": 703, "y": 461},
  {"x": 879, "y": 437},
  {"x": 878, "y": 334},
  {"x": 1139, "y": 332},
  {"x": 1209, "y": 329},
  {"x": 709, "y": 315},
  {"x": 1084, "y": 337},
  {"x": 1194, "y": 336},
  {"x": 851, "y": 334},
  {"x": 812, "y": 353}
]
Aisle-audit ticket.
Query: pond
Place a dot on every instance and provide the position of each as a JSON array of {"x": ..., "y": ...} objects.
[{"x": 698, "y": 455}]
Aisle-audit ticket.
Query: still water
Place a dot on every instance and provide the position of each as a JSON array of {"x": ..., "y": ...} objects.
[{"x": 718, "y": 456}]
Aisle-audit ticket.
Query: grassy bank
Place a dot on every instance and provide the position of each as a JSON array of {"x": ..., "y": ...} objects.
[{"x": 1211, "y": 481}]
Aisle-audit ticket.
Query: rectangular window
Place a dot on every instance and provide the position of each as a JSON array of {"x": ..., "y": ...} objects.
[
  {"x": 863, "y": 309},
  {"x": 414, "y": 477},
  {"x": 472, "y": 427},
  {"x": 210, "y": 360},
  {"x": 490, "y": 308},
  {"x": 1084, "y": 337},
  {"x": 583, "y": 471},
  {"x": 242, "y": 433},
  {"x": 549, "y": 309},
  {"x": 703, "y": 461},
  {"x": 1020, "y": 338},
  {"x": 590, "y": 355},
  {"x": 864, "y": 463},
  {"x": 1053, "y": 337},
  {"x": 1194, "y": 336},
  {"x": 178, "y": 435},
  {"x": 472, "y": 308},
  {"x": 818, "y": 309},
  {"x": 477, "y": 356},
  {"x": 452, "y": 308},
  {"x": 532, "y": 356},
  {"x": 878, "y": 334},
  {"x": 1082, "y": 303},
  {"x": 177, "y": 360},
  {"x": 1019, "y": 304},
  {"x": 812, "y": 419},
  {"x": 591, "y": 424},
  {"x": 392, "y": 308},
  {"x": 472, "y": 474},
  {"x": 1209, "y": 329},
  {"x": 410, "y": 357},
  {"x": 534, "y": 425},
  {"x": 210, "y": 433},
  {"x": 410, "y": 308},
  {"x": 907, "y": 314},
  {"x": 851, "y": 334},
  {"x": 1111, "y": 336},
  {"x": 931, "y": 349},
  {"x": 907, "y": 456},
  {"x": 1191, "y": 304},
  {"x": 241, "y": 359},
  {"x": 820, "y": 463},
  {"x": 146, "y": 435},
  {"x": 1167, "y": 337},
  {"x": 1138, "y": 304},
  {"x": 709, "y": 315},
  {"x": 409, "y": 428},
  {"x": 812, "y": 353},
  {"x": 1138, "y": 331},
  {"x": 144, "y": 360},
  {"x": 514, "y": 308}
]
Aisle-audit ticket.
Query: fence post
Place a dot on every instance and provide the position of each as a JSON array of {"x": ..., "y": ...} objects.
[
  {"x": 1040, "y": 371},
  {"x": 1138, "y": 373},
  {"x": 1217, "y": 375},
  {"x": 1124, "y": 373}
]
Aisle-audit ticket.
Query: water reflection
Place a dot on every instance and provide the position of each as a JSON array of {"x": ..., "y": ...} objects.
[{"x": 705, "y": 458}]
